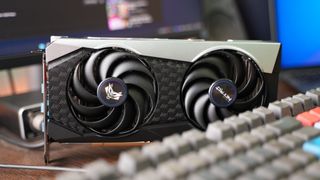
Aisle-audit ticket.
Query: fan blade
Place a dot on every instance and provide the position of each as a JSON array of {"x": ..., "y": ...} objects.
[
  {"x": 241, "y": 105},
  {"x": 201, "y": 73},
  {"x": 251, "y": 81},
  {"x": 130, "y": 66},
  {"x": 195, "y": 90},
  {"x": 106, "y": 121},
  {"x": 106, "y": 64},
  {"x": 89, "y": 70},
  {"x": 215, "y": 63},
  {"x": 90, "y": 111},
  {"x": 142, "y": 83},
  {"x": 81, "y": 92},
  {"x": 199, "y": 110},
  {"x": 223, "y": 112},
  {"x": 211, "y": 113}
]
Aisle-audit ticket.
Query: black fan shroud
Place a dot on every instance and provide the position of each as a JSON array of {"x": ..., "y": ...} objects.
[
  {"x": 221, "y": 64},
  {"x": 133, "y": 71}
]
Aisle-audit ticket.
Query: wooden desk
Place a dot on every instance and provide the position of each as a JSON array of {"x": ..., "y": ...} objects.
[{"x": 70, "y": 155}]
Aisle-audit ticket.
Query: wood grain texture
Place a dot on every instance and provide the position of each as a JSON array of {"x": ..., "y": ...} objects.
[{"x": 68, "y": 155}]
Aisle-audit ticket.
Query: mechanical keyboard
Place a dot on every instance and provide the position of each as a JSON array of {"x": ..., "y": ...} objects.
[{"x": 281, "y": 141}]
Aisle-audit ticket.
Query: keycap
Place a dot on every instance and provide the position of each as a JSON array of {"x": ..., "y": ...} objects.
[
  {"x": 225, "y": 170},
  {"x": 301, "y": 175},
  {"x": 314, "y": 94},
  {"x": 148, "y": 174},
  {"x": 245, "y": 163},
  {"x": 315, "y": 111},
  {"x": 307, "y": 119},
  {"x": 252, "y": 119},
  {"x": 177, "y": 144},
  {"x": 239, "y": 125},
  {"x": 100, "y": 169},
  {"x": 231, "y": 147},
  {"x": 287, "y": 164},
  {"x": 317, "y": 125},
  {"x": 284, "y": 125},
  {"x": 295, "y": 105},
  {"x": 302, "y": 156},
  {"x": 279, "y": 109},
  {"x": 263, "y": 134},
  {"x": 171, "y": 170},
  {"x": 192, "y": 162},
  {"x": 306, "y": 133},
  {"x": 260, "y": 154},
  {"x": 248, "y": 140},
  {"x": 132, "y": 161},
  {"x": 157, "y": 152},
  {"x": 196, "y": 138},
  {"x": 270, "y": 172},
  {"x": 291, "y": 140},
  {"x": 203, "y": 175},
  {"x": 218, "y": 131},
  {"x": 249, "y": 176},
  {"x": 266, "y": 114},
  {"x": 213, "y": 154},
  {"x": 314, "y": 170},
  {"x": 305, "y": 100},
  {"x": 276, "y": 147},
  {"x": 313, "y": 146}
]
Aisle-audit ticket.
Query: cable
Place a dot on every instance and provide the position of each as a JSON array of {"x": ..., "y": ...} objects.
[
  {"x": 22, "y": 143},
  {"x": 11, "y": 81},
  {"x": 41, "y": 168}
]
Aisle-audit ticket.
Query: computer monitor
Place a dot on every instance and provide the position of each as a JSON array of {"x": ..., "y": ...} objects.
[
  {"x": 296, "y": 25},
  {"x": 27, "y": 25}
]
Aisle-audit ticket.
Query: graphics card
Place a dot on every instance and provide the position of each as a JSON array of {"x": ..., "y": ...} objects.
[{"x": 114, "y": 89}]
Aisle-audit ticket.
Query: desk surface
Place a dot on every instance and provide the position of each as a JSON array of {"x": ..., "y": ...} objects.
[{"x": 71, "y": 155}]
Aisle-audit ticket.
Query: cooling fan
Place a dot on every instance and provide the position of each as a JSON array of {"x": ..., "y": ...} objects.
[
  {"x": 118, "y": 89},
  {"x": 112, "y": 92},
  {"x": 220, "y": 84}
]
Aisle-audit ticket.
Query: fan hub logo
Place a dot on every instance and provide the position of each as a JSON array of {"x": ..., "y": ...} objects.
[
  {"x": 223, "y": 93},
  {"x": 112, "y": 92}
]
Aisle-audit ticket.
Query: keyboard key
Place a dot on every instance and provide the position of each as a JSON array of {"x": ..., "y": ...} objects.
[
  {"x": 157, "y": 152},
  {"x": 315, "y": 111},
  {"x": 212, "y": 154},
  {"x": 248, "y": 140},
  {"x": 171, "y": 170},
  {"x": 231, "y": 147},
  {"x": 280, "y": 109},
  {"x": 192, "y": 162},
  {"x": 291, "y": 140},
  {"x": 100, "y": 169},
  {"x": 132, "y": 161},
  {"x": 260, "y": 154},
  {"x": 239, "y": 125},
  {"x": 305, "y": 100},
  {"x": 266, "y": 114},
  {"x": 301, "y": 175},
  {"x": 203, "y": 175},
  {"x": 252, "y": 119},
  {"x": 302, "y": 156},
  {"x": 295, "y": 105},
  {"x": 225, "y": 170},
  {"x": 245, "y": 163},
  {"x": 196, "y": 138},
  {"x": 313, "y": 146},
  {"x": 317, "y": 125},
  {"x": 249, "y": 176},
  {"x": 177, "y": 145},
  {"x": 284, "y": 125},
  {"x": 147, "y": 175},
  {"x": 315, "y": 96},
  {"x": 307, "y": 119},
  {"x": 276, "y": 147},
  {"x": 314, "y": 170},
  {"x": 306, "y": 133},
  {"x": 263, "y": 134},
  {"x": 218, "y": 131},
  {"x": 270, "y": 172},
  {"x": 287, "y": 164}
]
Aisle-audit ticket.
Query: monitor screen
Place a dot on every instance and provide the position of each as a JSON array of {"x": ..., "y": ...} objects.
[
  {"x": 297, "y": 27},
  {"x": 28, "y": 25}
]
